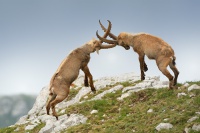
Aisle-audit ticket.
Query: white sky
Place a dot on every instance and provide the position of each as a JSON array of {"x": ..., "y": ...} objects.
[{"x": 35, "y": 36}]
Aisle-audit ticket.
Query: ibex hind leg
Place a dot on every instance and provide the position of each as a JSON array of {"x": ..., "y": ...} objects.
[
  {"x": 58, "y": 99},
  {"x": 162, "y": 65},
  {"x": 50, "y": 99},
  {"x": 62, "y": 93},
  {"x": 175, "y": 70}
]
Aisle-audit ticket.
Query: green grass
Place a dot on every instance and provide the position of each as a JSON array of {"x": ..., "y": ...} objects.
[
  {"x": 131, "y": 113},
  {"x": 7, "y": 130},
  {"x": 128, "y": 83},
  {"x": 21, "y": 129}
]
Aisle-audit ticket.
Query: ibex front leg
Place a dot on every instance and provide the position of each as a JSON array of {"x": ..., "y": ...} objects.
[
  {"x": 86, "y": 81},
  {"x": 89, "y": 75},
  {"x": 142, "y": 64}
]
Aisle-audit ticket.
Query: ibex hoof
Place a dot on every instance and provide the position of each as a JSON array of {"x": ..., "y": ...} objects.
[
  {"x": 86, "y": 84},
  {"x": 175, "y": 83},
  {"x": 47, "y": 109},
  {"x": 94, "y": 91},
  {"x": 145, "y": 69},
  {"x": 173, "y": 87},
  {"x": 142, "y": 78}
]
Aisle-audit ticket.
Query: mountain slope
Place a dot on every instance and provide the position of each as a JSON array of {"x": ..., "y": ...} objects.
[
  {"x": 13, "y": 107},
  {"x": 122, "y": 104}
]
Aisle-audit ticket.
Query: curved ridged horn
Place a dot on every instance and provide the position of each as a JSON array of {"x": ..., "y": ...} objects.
[
  {"x": 106, "y": 40},
  {"x": 107, "y": 31},
  {"x": 107, "y": 46},
  {"x": 104, "y": 29}
]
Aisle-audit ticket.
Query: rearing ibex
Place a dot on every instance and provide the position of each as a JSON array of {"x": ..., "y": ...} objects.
[
  {"x": 68, "y": 71},
  {"x": 151, "y": 46}
]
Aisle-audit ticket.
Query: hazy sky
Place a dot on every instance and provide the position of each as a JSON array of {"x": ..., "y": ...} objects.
[{"x": 35, "y": 36}]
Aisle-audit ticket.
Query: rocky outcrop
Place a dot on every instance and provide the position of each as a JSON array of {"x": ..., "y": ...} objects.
[{"x": 37, "y": 114}]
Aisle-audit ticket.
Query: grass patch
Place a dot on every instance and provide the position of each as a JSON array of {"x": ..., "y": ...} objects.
[
  {"x": 131, "y": 114},
  {"x": 128, "y": 83},
  {"x": 37, "y": 128},
  {"x": 21, "y": 129},
  {"x": 7, "y": 129}
]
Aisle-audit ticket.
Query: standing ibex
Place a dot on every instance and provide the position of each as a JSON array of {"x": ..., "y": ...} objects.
[
  {"x": 151, "y": 46},
  {"x": 68, "y": 71}
]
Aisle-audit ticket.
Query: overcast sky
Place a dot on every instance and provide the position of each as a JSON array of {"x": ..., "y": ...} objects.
[{"x": 35, "y": 36}]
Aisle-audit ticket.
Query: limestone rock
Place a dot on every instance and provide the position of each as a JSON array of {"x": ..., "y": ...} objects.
[
  {"x": 150, "y": 111},
  {"x": 194, "y": 87},
  {"x": 186, "y": 85},
  {"x": 164, "y": 126},
  {"x": 192, "y": 119},
  {"x": 112, "y": 90},
  {"x": 39, "y": 103},
  {"x": 64, "y": 121},
  {"x": 196, "y": 127},
  {"x": 94, "y": 112},
  {"x": 181, "y": 94},
  {"x": 186, "y": 130}
]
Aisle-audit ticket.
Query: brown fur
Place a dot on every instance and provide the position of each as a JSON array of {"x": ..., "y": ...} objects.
[
  {"x": 154, "y": 48},
  {"x": 68, "y": 71},
  {"x": 149, "y": 45}
]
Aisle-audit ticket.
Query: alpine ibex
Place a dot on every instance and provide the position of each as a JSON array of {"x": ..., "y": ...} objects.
[
  {"x": 68, "y": 71},
  {"x": 151, "y": 46}
]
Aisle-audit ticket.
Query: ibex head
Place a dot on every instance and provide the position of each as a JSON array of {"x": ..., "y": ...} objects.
[
  {"x": 97, "y": 44},
  {"x": 120, "y": 40}
]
